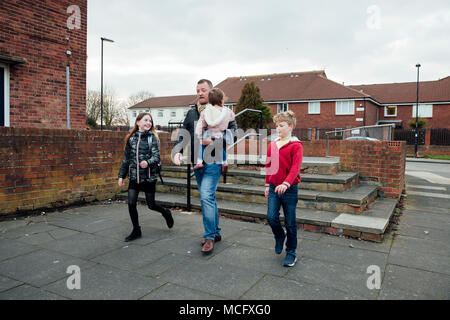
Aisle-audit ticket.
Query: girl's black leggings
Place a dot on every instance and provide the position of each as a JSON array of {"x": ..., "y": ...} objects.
[{"x": 133, "y": 191}]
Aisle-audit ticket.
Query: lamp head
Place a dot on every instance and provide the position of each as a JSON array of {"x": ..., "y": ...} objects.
[
  {"x": 418, "y": 65},
  {"x": 105, "y": 39}
]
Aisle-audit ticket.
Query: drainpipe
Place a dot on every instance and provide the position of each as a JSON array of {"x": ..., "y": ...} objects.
[{"x": 68, "y": 87}]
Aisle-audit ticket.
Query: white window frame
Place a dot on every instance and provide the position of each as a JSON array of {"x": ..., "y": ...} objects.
[
  {"x": 390, "y": 115},
  {"x": 173, "y": 114},
  {"x": 160, "y": 113},
  {"x": 314, "y": 107},
  {"x": 348, "y": 112},
  {"x": 6, "y": 89},
  {"x": 282, "y": 106},
  {"x": 423, "y": 112}
]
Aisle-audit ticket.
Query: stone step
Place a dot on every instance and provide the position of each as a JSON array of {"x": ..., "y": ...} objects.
[
  {"x": 370, "y": 226},
  {"x": 353, "y": 201},
  {"x": 341, "y": 181},
  {"x": 311, "y": 165}
]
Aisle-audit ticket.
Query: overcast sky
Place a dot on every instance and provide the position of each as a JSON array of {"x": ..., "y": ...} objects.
[{"x": 166, "y": 46}]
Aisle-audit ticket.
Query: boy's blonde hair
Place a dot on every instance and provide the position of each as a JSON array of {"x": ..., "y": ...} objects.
[{"x": 287, "y": 116}]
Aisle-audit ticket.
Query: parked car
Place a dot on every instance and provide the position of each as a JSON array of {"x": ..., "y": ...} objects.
[{"x": 361, "y": 138}]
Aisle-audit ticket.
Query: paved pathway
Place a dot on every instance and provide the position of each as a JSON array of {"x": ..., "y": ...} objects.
[{"x": 36, "y": 252}]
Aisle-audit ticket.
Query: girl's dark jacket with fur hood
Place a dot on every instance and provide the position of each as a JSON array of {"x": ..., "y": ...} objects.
[{"x": 138, "y": 150}]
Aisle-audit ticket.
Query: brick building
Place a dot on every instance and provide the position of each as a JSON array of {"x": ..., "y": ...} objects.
[
  {"x": 38, "y": 41},
  {"x": 320, "y": 102},
  {"x": 398, "y": 102}
]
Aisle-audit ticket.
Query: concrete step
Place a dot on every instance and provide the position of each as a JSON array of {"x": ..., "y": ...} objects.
[
  {"x": 370, "y": 226},
  {"x": 340, "y": 181},
  {"x": 311, "y": 165},
  {"x": 352, "y": 201}
]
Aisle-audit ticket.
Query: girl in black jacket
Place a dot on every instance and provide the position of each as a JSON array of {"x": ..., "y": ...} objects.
[{"x": 141, "y": 157}]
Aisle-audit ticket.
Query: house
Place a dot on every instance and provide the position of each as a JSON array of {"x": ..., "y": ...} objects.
[
  {"x": 164, "y": 110},
  {"x": 316, "y": 100},
  {"x": 42, "y": 50},
  {"x": 322, "y": 103},
  {"x": 398, "y": 102}
]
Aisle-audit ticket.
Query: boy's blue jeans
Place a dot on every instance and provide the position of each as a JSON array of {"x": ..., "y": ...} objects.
[
  {"x": 207, "y": 180},
  {"x": 288, "y": 201}
]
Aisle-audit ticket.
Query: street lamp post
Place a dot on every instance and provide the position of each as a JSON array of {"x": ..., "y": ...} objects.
[
  {"x": 416, "y": 147},
  {"x": 101, "y": 85}
]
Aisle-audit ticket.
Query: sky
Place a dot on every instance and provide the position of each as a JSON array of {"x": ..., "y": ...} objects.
[{"x": 165, "y": 47}]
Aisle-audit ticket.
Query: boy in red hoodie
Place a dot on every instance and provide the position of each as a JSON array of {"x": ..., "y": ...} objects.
[{"x": 283, "y": 163}]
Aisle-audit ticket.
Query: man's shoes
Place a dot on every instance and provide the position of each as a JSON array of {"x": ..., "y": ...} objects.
[
  {"x": 168, "y": 217},
  {"x": 279, "y": 244},
  {"x": 135, "y": 234},
  {"x": 208, "y": 247},
  {"x": 216, "y": 239},
  {"x": 290, "y": 260}
]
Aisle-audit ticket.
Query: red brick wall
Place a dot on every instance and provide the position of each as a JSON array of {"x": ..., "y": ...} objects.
[
  {"x": 36, "y": 31},
  {"x": 379, "y": 161}
]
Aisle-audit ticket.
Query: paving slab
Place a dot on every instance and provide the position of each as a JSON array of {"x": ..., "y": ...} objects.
[
  {"x": 27, "y": 292},
  {"x": 226, "y": 281},
  {"x": 130, "y": 257},
  {"x": 8, "y": 283},
  {"x": 422, "y": 245},
  {"x": 352, "y": 257},
  {"x": 83, "y": 245},
  {"x": 426, "y": 261},
  {"x": 423, "y": 233},
  {"x": 107, "y": 283},
  {"x": 12, "y": 248},
  {"x": 333, "y": 275},
  {"x": 425, "y": 219},
  {"x": 276, "y": 288},
  {"x": 408, "y": 283},
  {"x": 384, "y": 246},
  {"x": 256, "y": 259},
  {"x": 40, "y": 267},
  {"x": 161, "y": 265},
  {"x": 171, "y": 291}
]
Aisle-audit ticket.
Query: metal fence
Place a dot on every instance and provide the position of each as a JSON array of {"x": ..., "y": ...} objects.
[
  {"x": 409, "y": 136},
  {"x": 440, "y": 137}
]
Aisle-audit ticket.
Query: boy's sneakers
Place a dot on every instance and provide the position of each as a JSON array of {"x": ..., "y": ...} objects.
[
  {"x": 290, "y": 260},
  {"x": 198, "y": 166},
  {"x": 279, "y": 244}
]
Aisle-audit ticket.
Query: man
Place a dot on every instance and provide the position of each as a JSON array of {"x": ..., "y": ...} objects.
[{"x": 208, "y": 176}]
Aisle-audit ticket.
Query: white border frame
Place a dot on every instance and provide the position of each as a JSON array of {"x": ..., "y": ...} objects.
[{"x": 6, "y": 93}]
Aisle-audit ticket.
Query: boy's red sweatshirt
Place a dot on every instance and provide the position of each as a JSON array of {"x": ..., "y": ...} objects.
[{"x": 283, "y": 165}]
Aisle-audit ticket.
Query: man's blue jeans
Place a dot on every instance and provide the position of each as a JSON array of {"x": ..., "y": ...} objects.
[
  {"x": 288, "y": 201},
  {"x": 207, "y": 180}
]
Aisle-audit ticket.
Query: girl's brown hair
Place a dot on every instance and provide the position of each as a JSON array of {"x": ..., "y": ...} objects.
[{"x": 135, "y": 128}]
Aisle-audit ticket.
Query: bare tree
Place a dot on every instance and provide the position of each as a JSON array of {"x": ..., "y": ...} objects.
[{"x": 135, "y": 98}]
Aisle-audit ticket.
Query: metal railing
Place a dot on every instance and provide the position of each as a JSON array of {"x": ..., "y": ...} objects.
[{"x": 377, "y": 132}]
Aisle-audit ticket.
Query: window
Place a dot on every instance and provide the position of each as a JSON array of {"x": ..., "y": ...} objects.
[
  {"x": 4, "y": 95},
  {"x": 173, "y": 114},
  {"x": 134, "y": 114},
  {"x": 390, "y": 111},
  {"x": 314, "y": 107},
  {"x": 160, "y": 113},
  {"x": 282, "y": 107},
  {"x": 425, "y": 111},
  {"x": 345, "y": 107},
  {"x": 229, "y": 106}
]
